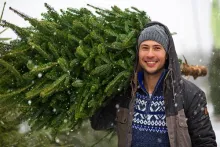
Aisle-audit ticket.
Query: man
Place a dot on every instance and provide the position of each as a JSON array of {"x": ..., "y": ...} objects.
[{"x": 161, "y": 108}]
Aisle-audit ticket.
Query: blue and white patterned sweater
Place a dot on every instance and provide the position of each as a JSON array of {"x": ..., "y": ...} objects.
[{"x": 149, "y": 122}]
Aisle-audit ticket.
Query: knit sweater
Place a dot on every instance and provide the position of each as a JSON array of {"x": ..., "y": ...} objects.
[{"x": 149, "y": 124}]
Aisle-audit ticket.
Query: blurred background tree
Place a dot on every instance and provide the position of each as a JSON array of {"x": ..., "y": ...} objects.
[{"x": 214, "y": 67}]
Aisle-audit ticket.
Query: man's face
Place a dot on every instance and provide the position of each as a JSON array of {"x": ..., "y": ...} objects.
[{"x": 152, "y": 57}]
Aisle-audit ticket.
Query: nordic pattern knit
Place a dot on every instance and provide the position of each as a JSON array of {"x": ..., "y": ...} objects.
[{"x": 149, "y": 125}]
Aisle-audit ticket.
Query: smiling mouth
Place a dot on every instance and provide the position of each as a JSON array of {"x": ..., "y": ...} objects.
[{"x": 151, "y": 63}]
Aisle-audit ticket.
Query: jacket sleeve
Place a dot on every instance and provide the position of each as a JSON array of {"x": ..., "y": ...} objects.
[
  {"x": 200, "y": 127},
  {"x": 105, "y": 117}
]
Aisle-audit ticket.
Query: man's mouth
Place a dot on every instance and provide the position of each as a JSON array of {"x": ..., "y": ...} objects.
[{"x": 151, "y": 63}]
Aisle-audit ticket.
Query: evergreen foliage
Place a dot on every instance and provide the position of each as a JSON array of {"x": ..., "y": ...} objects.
[
  {"x": 67, "y": 65},
  {"x": 11, "y": 117},
  {"x": 11, "y": 136}
]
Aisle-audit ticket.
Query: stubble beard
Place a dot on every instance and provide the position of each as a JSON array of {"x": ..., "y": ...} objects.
[{"x": 160, "y": 70}]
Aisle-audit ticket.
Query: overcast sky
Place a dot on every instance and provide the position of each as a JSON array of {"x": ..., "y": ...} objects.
[{"x": 189, "y": 18}]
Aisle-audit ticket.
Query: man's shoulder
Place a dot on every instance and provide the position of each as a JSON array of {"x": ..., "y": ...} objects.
[
  {"x": 188, "y": 85},
  {"x": 191, "y": 91}
]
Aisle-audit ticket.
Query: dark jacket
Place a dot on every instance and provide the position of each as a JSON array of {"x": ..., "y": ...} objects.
[{"x": 187, "y": 120}]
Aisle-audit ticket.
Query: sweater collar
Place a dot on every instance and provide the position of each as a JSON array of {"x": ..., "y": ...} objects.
[{"x": 141, "y": 81}]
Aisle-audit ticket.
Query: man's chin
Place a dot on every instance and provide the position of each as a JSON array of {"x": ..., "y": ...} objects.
[{"x": 154, "y": 72}]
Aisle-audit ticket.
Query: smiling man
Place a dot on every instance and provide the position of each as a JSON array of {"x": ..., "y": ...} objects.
[
  {"x": 149, "y": 125},
  {"x": 160, "y": 109}
]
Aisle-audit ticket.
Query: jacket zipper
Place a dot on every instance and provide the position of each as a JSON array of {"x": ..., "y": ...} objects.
[{"x": 150, "y": 100}]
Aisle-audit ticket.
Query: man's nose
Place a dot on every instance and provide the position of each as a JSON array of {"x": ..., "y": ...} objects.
[{"x": 150, "y": 53}]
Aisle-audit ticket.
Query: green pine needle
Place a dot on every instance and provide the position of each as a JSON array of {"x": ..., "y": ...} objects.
[{"x": 12, "y": 69}]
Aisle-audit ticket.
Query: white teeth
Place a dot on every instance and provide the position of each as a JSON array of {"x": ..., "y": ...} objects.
[{"x": 151, "y": 62}]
